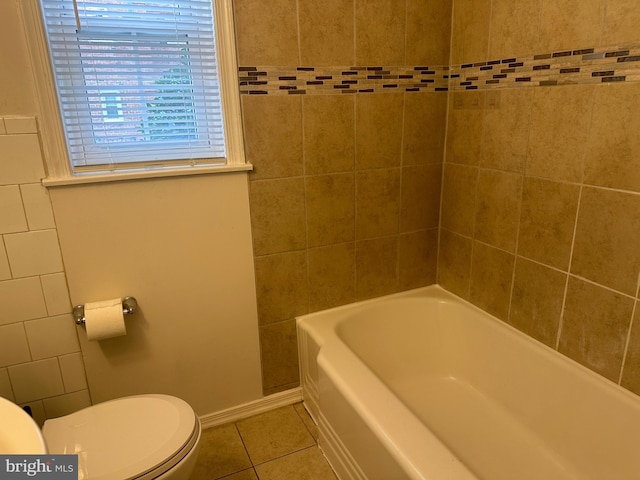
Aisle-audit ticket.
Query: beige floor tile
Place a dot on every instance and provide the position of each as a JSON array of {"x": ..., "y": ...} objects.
[
  {"x": 308, "y": 464},
  {"x": 274, "y": 434},
  {"x": 307, "y": 420},
  {"x": 243, "y": 475},
  {"x": 221, "y": 453}
]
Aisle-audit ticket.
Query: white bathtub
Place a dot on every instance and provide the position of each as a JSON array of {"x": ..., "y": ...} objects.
[{"x": 423, "y": 385}]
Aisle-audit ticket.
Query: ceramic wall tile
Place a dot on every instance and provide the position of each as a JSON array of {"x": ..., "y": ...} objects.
[
  {"x": 420, "y": 197},
  {"x": 331, "y": 276},
  {"x": 326, "y": 32},
  {"x": 470, "y": 38},
  {"x": 21, "y": 159},
  {"x": 536, "y": 304},
  {"x": 73, "y": 373},
  {"x": 613, "y": 149},
  {"x": 13, "y": 345},
  {"x": 273, "y": 136},
  {"x": 12, "y": 216},
  {"x": 425, "y": 121},
  {"x": 66, "y": 404},
  {"x": 379, "y": 130},
  {"x": 498, "y": 208},
  {"x": 558, "y": 137},
  {"x": 377, "y": 202},
  {"x": 459, "y": 198},
  {"x": 37, "y": 206},
  {"x": 547, "y": 221},
  {"x": 281, "y": 286},
  {"x": 595, "y": 327},
  {"x": 491, "y": 277},
  {"x": 454, "y": 262},
  {"x": 52, "y": 336},
  {"x": 568, "y": 23},
  {"x": 376, "y": 267},
  {"x": 36, "y": 380},
  {"x": 21, "y": 299},
  {"x": 602, "y": 251},
  {"x": 278, "y": 215},
  {"x": 329, "y": 134},
  {"x": 33, "y": 253},
  {"x": 380, "y": 32},
  {"x": 417, "y": 259},
  {"x": 514, "y": 28},
  {"x": 56, "y": 293},
  {"x": 266, "y": 32},
  {"x": 279, "y": 355},
  {"x": 433, "y": 16},
  {"x": 330, "y": 205}
]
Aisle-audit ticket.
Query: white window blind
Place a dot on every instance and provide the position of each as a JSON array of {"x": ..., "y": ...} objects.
[{"x": 137, "y": 82}]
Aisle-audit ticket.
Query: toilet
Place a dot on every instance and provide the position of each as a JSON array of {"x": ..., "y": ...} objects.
[{"x": 140, "y": 437}]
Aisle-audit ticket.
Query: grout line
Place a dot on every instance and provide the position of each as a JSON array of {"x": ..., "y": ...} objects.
[
  {"x": 356, "y": 173},
  {"x": 489, "y": 32},
  {"x": 299, "y": 33},
  {"x": 406, "y": 20},
  {"x": 521, "y": 202},
  {"x": 306, "y": 206},
  {"x": 550, "y": 267},
  {"x": 355, "y": 33},
  {"x": 279, "y": 457},
  {"x": 569, "y": 275},
  {"x": 628, "y": 340},
  {"x": 515, "y": 251},
  {"x": 475, "y": 194},
  {"x": 303, "y": 421},
  {"x": 235, "y": 473},
  {"x": 575, "y": 230},
  {"x": 244, "y": 445}
]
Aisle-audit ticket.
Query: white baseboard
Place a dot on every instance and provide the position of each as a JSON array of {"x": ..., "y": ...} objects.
[{"x": 255, "y": 407}]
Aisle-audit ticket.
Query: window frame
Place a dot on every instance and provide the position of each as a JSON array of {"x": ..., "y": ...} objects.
[{"x": 57, "y": 162}]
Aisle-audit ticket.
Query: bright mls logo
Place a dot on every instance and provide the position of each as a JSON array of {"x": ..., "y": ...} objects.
[{"x": 50, "y": 467}]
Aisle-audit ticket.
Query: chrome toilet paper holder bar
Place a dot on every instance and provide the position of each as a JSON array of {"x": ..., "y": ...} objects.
[{"x": 129, "y": 306}]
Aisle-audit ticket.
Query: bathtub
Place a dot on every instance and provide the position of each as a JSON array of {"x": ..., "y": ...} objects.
[{"x": 423, "y": 385}]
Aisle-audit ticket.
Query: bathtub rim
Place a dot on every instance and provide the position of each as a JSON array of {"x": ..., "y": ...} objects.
[
  {"x": 408, "y": 453},
  {"x": 325, "y": 331}
]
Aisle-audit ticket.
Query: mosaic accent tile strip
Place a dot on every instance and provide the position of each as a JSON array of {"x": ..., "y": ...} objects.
[
  {"x": 331, "y": 80},
  {"x": 568, "y": 67}
]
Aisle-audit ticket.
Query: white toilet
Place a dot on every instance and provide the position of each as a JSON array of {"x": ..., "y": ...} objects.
[{"x": 143, "y": 437}]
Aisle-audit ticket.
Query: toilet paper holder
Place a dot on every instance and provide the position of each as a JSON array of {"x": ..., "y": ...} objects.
[{"x": 129, "y": 306}]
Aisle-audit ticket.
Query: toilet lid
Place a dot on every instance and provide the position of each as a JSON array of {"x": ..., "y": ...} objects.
[{"x": 125, "y": 438}]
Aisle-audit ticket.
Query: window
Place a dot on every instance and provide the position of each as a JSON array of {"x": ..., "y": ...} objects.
[
  {"x": 111, "y": 108},
  {"x": 139, "y": 83}
]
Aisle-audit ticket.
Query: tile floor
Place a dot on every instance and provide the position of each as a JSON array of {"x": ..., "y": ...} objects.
[{"x": 281, "y": 444}]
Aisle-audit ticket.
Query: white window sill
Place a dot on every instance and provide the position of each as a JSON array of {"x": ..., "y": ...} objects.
[{"x": 141, "y": 174}]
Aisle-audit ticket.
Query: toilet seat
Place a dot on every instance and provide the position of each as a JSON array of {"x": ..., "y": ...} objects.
[{"x": 138, "y": 437}]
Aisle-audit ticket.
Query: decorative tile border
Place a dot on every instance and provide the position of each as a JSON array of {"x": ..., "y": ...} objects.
[
  {"x": 332, "y": 80},
  {"x": 568, "y": 67}
]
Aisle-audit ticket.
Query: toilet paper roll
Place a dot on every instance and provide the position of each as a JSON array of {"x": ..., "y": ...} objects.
[{"x": 104, "y": 319}]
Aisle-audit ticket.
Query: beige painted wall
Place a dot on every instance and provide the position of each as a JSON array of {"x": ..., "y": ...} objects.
[{"x": 182, "y": 247}]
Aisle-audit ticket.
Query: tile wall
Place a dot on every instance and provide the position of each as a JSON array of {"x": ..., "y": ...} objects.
[
  {"x": 40, "y": 361},
  {"x": 345, "y": 192},
  {"x": 541, "y": 190}
]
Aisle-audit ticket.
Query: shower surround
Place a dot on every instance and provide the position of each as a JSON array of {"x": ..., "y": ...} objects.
[{"x": 485, "y": 145}]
